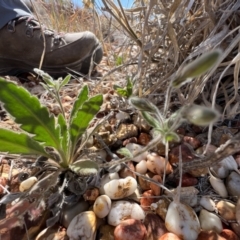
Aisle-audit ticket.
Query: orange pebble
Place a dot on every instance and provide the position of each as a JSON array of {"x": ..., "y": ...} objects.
[
  {"x": 169, "y": 236},
  {"x": 228, "y": 234}
]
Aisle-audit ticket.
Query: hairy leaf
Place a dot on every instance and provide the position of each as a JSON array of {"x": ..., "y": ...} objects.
[
  {"x": 28, "y": 111},
  {"x": 64, "y": 133},
  {"x": 19, "y": 143},
  {"x": 125, "y": 152},
  {"x": 82, "y": 97},
  {"x": 65, "y": 81},
  {"x": 142, "y": 104},
  {"x": 153, "y": 122},
  {"x": 84, "y": 167},
  {"x": 83, "y": 117}
]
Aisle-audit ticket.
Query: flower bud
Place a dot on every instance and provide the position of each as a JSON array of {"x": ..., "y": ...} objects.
[{"x": 200, "y": 115}]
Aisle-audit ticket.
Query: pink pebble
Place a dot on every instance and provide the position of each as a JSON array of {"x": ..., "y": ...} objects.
[{"x": 130, "y": 229}]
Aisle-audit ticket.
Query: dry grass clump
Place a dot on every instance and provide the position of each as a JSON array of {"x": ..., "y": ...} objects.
[
  {"x": 154, "y": 40},
  {"x": 170, "y": 34}
]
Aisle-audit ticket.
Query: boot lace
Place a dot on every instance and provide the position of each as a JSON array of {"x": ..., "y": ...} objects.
[{"x": 31, "y": 25}]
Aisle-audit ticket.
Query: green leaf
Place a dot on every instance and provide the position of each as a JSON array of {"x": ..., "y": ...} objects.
[
  {"x": 84, "y": 167},
  {"x": 27, "y": 111},
  {"x": 65, "y": 80},
  {"x": 153, "y": 122},
  {"x": 81, "y": 98},
  {"x": 83, "y": 117},
  {"x": 19, "y": 143},
  {"x": 129, "y": 87},
  {"x": 122, "y": 92},
  {"x": 64, "y": 133},
  {"x": 115, "y": 87},
  {"x": 171, "y": 136},
  {"x": 198, "y": 67},
  {"x": 125, "y": 152},
  {"x": 46, "y": 77},
  {"x": 119, "y": 60}
]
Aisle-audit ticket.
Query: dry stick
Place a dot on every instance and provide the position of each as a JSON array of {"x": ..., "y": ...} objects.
[
  {"x": 231, "y": 147},
  {"x": 44, "y": 39}
]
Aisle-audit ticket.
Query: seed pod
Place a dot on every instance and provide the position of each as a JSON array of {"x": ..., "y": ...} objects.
[
  {"x": 200, "y": 115},
  {"x": 198, "y": 67}
]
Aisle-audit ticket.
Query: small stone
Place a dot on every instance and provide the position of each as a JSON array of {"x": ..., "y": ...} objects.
[
  {"x": 198, "y": 172},
  {"x": 144, "y": 139},
  {"x": 160, "y": 149},
  {"x": 155, "y": 226},
  {"x": 3, "y": 182},
  {"x": 120, "y": 188},
  {"x": 236, "y": 228},
  {"x": 27, "y": 184},
  {"x": 147, "y": 199},
  {"x": 70, "y": 211},
  {"x": 141, "y": 167},
  {"x": 106, "y": 232},
  {"x": 83, "y": 226},
  {"x": 102, "y": 206},
  {"x": 91, "y": 194},
  {"x": 125, "y": 172},
  {"x": 126, "y": 131},
  {"x": 129, "y": 140},
  {"x": 130, "y": 229},
  {"x": 227, "y": 210},
  {"x": 187, "y": 155},
  {"x": 52, "y": 233},
  {"x": 140, "y": 123},
  {"x": 170, "y": 236},
  {"x": 105, "y": 179},
  {"x": 194, "y": 142},
  {"x": 181, "y": 131},
  {"x": 188, "y": 180},
  {"x": 156, "y": 164},
  {"x": 122, "y": 210},
  {"x": 228, "y": 234},
  {"x": 233, "y": 183},
  {"x": 134, "y": 149},
  {"x": 161, "y": 207},
  {"x": 210, "y": 221},
  {"x": 156, "y": 190},
  {"x": 144, "y": 184},
  {"x": 237, "y": 158},
  {"x": 209, "y": 235}
]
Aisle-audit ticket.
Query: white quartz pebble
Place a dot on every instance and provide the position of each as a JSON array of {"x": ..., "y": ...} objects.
[
  {"x": 83, "y": 226},
  {"x": 102, "y": 206},
  {"x": 141, "y": 167},
  {"x": 105, "y": 179},
  {"x": 156, "y": 164},
  {"x": 122, "y": 210},
  {"x": 27, "y": 184},
  {"x": 120, "y": 188},
  {"x": 134, "y": 149}
]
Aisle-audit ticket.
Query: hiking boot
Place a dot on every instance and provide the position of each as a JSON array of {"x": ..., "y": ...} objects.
[{"x": 22, "y": 45}]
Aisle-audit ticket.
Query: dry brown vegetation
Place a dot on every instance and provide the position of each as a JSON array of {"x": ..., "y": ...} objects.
[{"x": 151, "y": 43}]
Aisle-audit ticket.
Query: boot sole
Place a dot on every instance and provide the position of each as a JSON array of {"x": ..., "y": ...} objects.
[{"x": 14, "y": 67}]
